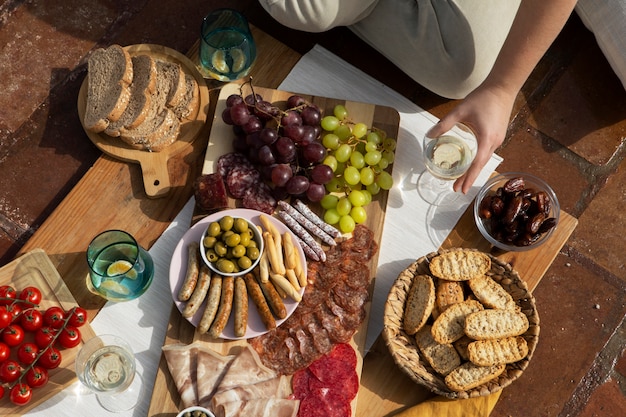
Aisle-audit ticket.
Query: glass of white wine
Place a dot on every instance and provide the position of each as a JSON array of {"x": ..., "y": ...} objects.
[
  {"x": 447, "y": 157},
  {"x": 106, "y": 365}
]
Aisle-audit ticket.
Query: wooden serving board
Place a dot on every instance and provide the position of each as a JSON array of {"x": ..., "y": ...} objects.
[
  {"x": 35, "y": 269},
  {"x": 154, "y": 164},
  {"x": 165, "y": 398}
]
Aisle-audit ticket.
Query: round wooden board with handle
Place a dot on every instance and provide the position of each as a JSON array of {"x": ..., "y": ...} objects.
[{"x": 154, "y": 164}]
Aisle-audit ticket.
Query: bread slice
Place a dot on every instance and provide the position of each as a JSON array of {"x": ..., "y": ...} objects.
[
  {"x": 450, "y": 324},
  {"x": 448, "y": 293},
  {"x": 497, "y": 351},
  {"x": 442, "y": 357},
  {"x": 460, "y": 265},
  {"x": 109, "y": 75},
  {"x": 495, "y": 324},
  {"x": 419, "y": 303},
  {"x": 142, "y": 88},
  {"x": 490, "y": 293},
  {"x": 469, "y": 375},
  {"x": 177, "y": 88},
  {"x": 189, "y": 104},
  {"x": 154, "y": 134}
]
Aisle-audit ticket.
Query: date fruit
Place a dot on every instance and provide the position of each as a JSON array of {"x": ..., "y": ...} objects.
[{"x": 517, "y": 215}]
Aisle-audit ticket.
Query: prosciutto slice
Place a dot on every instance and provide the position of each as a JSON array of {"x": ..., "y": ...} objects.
[
  {"x": 211, "y": 368},
  {"x": 182, "y": 364},
  {"x": 245, "y": 369},
  {"x": 259, "y": 408},
  {"x": 272, "y": 388}
]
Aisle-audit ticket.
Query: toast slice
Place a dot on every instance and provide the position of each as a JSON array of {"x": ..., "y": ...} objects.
[
  {"x": 419, "y": 303},
  {"x": 442, "y": 357},
  {"x": 495, "y": 324},
  {"x": 460, "y": 265},
  {"x": 469, "y": 375},
  {"x": 449, "y": 326},
  {"x": 448, "y": 293},
  {"x": 143, "y": 86},
  {"x": 490, "y": 293},
  {"x": 497, "y": 351},
  {"x": 109, "y": 75}
]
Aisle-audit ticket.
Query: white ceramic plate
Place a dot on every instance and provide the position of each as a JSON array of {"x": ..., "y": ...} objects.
[{"x": 178, "y": 269}]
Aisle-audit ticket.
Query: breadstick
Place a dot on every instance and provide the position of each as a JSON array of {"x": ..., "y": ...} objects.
[
  {"x": 199, "y": 294},
  {"x": 290, "y": 251},
  {"x": 226, "y": 306},
  {"x": 212, "y": 304},
  {"x": 276, "y": 266},
  {"x": 191, "y": 277},
  {"x": 267, "y": 223},
  {"x": 264, "y": 268},
  {"x": 293, "y": 280},
  {"x": 286, "y": 286}
]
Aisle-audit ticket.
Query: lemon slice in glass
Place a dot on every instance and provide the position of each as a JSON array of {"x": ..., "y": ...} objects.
[
  {"x": 122, "y": 267},
  {"x": 113, "y": 286},
  {"x": 239, "y": 59},
  {"x": 219, "y": 62}
]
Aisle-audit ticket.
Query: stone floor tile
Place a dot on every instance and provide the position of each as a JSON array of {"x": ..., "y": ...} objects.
[
  {"x": 602, "y": 227},
  {"x": 566, "y": 299},
  {"x": 608, "y": 400}
]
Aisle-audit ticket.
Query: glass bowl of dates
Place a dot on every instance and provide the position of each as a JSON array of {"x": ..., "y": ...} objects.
[
  {"x": 231, "y": 245},
  {"x": 516, "y": 211}
]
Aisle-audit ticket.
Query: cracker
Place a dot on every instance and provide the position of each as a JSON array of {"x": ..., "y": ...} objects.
[
  {"x": 460, "y": 265},
  {"x": 495, "y": 324},
  {"x": 448, "y": 293},
  {"x": 469, "y": 375},
  {"x": 497, "y": 351},
  {"x": 450, "y": 324},
  {"x": 461, "y": 347},
  {"x": 442, "y": 357},
  {"x": 490, "y": 293},
  {"x": 419, "y": 303}
]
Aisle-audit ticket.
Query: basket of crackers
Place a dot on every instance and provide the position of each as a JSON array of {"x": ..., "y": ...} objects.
[{"x": 461, "y": 322}]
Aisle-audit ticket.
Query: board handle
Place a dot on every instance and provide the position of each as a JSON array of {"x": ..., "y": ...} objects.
[{"x": 156, "y": 179}]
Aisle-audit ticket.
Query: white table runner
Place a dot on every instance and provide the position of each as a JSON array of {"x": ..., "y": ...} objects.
[{"x": 143, "y": 322}]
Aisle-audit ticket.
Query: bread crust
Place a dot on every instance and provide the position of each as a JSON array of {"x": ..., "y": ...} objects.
[
  {"x": 490, "y": 293},
  {"x": 419, "y": 303},
  {"x": 449, "y": 326},
  {"x": 460, "y": 265},
  {"x": 442, "y": 357},
  {"x": 470, "y": 375},
  {"x": 497, "y": 351},
  {"x": 448, "y": 293},
  {"x": 495, "y": 324}
]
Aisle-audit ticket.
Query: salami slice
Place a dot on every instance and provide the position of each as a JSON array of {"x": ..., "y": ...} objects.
[
  {"x": 260, "y": 198},
  {"x": 241, "y": 178},
  {"x": 210, "y": 192},
  {"x": 229, "y": 161}
]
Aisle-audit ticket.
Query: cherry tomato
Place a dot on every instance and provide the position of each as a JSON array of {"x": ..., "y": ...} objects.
[
  {"x": 78, "y": 316},
  {"x": 44, "y": 336},
  {"x": 5, "y": 317},
  {"x": 31, "y": 295},
  {"x": 13, "y": 335},
  {"x": 21, "y": 394},
  {"x": 14, "y": 310},
  {"x": 69, "y": 337},
  {"x": 9, "y": 371},
  {"x": 5, "y": 352},
  {"x": 7, "y": 294},
  {"x": 27, "y": 353},
  {"x": 51, "y": 358},
  {"x": 54, "y": 317},
  {"x": 31, "y": 320},
  {"x": 37, "y": 376}
]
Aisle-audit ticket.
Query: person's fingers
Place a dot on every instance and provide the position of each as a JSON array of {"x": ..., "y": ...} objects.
[
  {"x": 441, "y": 127},
  {"x": 465, "y": 182}
]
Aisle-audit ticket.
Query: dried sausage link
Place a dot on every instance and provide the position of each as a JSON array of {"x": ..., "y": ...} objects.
[
  {"x": 306, "y": 211},
  {"x": 302, "y": 233},
  {"x": 308, "y": 224}
]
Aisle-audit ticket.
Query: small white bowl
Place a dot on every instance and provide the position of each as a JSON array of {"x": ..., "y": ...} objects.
[
  {"x": 257, "y": 238},
  {"x": 190, "y": 410}
]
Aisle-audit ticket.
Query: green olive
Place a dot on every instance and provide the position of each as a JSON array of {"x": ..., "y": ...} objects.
[
  {"x": 245, "y": 239},
  {"x": 209, "y": 241},
  {"x": 220, "y": 248},
  {"x": 214, "y": 229},
  {"x": 232, "y": 240},
  {"x": 244, "y": 262},
  {"x": 226, "y": 223},
  {"x": 212, "y": 256},
  {"x": 226, "y": 266},
  {"x": 252, "y": 252},
  {"x": 241, "y": 225},
  {"x": 238, "y": 251}
]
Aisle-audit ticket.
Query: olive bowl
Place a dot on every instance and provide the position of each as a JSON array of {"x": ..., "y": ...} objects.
[
  {"x": 514, "y": 236},
  {"x": 195, "y": 411}
]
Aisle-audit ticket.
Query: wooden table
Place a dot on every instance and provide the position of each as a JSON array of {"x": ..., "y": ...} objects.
[{"x": 111, "y": 195}]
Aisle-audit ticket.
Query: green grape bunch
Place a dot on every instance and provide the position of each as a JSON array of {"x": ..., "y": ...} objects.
[{"x": 359, "y": 157}]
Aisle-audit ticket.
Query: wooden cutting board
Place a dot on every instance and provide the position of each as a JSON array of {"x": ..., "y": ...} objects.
[
  {"x": 35, "y": 268},
  {"x": 165, "y": 399},
  {"x": 154, "y": 164}
]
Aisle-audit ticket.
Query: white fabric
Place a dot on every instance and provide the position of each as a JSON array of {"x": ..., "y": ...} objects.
[
  {"x": 143, "y": 322},
  {"x": 607, "y": 20}
]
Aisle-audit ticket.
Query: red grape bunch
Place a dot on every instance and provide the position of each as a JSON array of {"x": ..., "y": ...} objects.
[{"x": 284, "y": 145}]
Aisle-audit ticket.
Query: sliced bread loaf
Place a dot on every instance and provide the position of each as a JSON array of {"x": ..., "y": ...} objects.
[
  {"x": 110, "y": 73},
  {"x": 176, "y": 78},
  {"x": 189, "y": 104},
  {"x": 142, "y": 89},
  {"x": 154, "y": 134}
]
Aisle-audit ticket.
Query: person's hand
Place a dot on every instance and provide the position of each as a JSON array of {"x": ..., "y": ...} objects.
[{"x": 487, "y": 112}]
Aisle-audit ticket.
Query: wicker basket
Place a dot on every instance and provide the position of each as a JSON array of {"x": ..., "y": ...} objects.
[{"x": 404, "y": 349}]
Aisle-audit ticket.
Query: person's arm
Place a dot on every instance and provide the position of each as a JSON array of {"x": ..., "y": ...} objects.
[{"x": 487, "y": 110}]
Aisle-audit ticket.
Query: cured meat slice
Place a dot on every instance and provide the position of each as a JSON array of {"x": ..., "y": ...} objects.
[
  {"x": 246, "y": 368},
  {"x": 211, "y": 368},
  {"x": 210, "y": 192},
  {"x": 258, "y": 408},
  {"x": 182, "y": 364},
  {"x": 241, "y": 178},
  {"x": 229, "y": 161},
  {"x": 272, "y": 388},
  {"x": 260, "y": 198},
  {"x": 323, "y": 404}
]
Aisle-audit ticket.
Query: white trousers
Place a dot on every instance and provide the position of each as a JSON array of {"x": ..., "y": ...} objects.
[{"x": 448, "y": 46}]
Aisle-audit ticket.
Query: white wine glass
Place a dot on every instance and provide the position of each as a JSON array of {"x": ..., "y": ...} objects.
[
  {"x": 447, "y": 157},
  {"x": 106, "y": 365}
]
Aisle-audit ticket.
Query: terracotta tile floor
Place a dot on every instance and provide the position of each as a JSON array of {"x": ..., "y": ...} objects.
[{"x": 568, "y": 127}]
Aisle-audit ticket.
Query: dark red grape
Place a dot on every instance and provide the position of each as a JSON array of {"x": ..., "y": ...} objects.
[
  {"x": 253, "y": 124},
  {"x": 233, "y": 99},
  {"x": 251, "y": 100},
  {"x": 265, "y": 155},
  {"x": 284, "y": 146},
  {"x": 315, "y": 192},
  {"x": 294, "y": 132},
  {"x": 321, "y": 174},
  {"x": 268, "y": 135},
  {"x": 291, "y": 117},
  {"x": 254, "y": 140},
  {"x": 239, "y": 144},
  {"x": 226, "y": 116},
  {"x": 309, "y": 135},
  {"x": 311, "y": 116},
  {"x": 295, "y": 101},
  {"x": 266, "y": 110},
  {"x": 314, "y": 153},
  {"x": 281, "y": 174},
  {"x": 298, "y": 184},
  {"x": 239, "y": 114}
]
